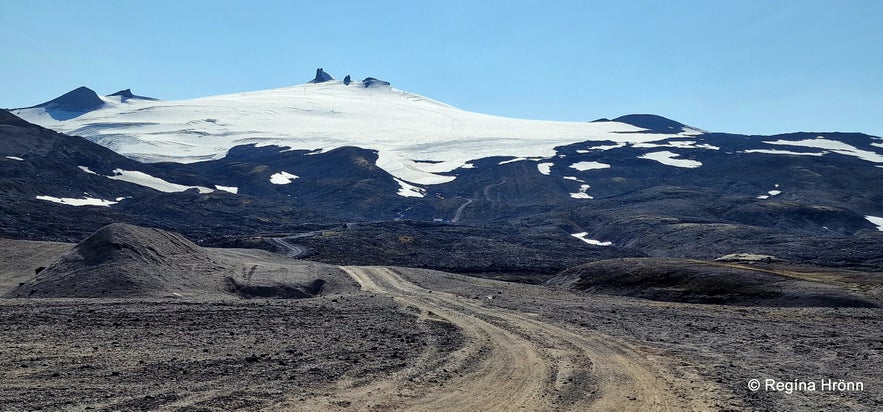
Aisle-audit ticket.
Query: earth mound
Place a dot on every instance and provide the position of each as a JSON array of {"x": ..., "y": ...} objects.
[
  {"x": 696, "y": 281},
  {"x": 121, "y": 260}
]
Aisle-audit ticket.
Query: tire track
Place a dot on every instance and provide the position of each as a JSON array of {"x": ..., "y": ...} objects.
[{"x": 510, "y": 361}]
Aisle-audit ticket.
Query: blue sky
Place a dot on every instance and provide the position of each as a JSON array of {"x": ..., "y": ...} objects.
[{"x": 739, "y": 66}]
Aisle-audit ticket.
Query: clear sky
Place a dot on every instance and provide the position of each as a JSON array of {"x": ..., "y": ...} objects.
[{"x": 738, "y": 66}]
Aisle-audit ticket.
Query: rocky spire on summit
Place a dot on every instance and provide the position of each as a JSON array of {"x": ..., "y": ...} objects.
[
  {"x": 374, "y": 82},
  {"x": 321, "y": 76},
  {"x": 127, "y": 93}
]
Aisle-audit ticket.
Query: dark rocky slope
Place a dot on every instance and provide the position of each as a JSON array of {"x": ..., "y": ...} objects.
[{"x": 755, "y": 283}]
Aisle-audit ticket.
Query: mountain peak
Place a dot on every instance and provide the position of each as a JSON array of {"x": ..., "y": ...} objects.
[
  {"x": 654, "y": 123},
  {"x": 81, "y": 99},
  {"x": 127, "y": 94},
  {"x": 321, "y": 76}
]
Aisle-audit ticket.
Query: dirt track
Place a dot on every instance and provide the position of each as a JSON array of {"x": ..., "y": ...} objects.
[{"x": 512, "y": 361}]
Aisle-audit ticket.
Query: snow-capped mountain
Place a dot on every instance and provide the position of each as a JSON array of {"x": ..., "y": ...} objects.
[{"x": 416, "y": 137}]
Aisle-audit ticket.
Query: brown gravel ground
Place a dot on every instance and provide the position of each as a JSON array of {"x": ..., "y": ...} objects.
[{"x": 90, "y": 354}]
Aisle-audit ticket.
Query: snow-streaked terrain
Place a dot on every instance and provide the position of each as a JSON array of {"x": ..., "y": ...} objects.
[
  {"x": 783, "y": 152},
  {"x": 581, "y": 194},
  {"x": 677, "y": 144},
  {"x": 584, "y": 237},
  {"x": 401, "y": 126},
  {"x": 228, "y": 189},
  {"x": 155, "y": 183},
  {"x": 86, "y": 201},
  {"x": 146, "y": 180},
  {"x": 835, "y": 146},
  {"x": 408, "y": 190}
]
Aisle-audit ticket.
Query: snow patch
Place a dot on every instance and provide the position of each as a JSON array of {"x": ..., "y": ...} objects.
[
  {"x": 835, "y": 146},
  {"x": 229, "y": 189},
  {"x": 87, "y": 170},
  {"x": 409, "y": 190},
  {"x": 574, "y": 178},
  {"x": 155, "y": 183},
  {"x": 468, "y": 166},
  {"x": 517, "y": 159},
  {"x": 582, "y": 193},
  {"x": 545, "y": 168},
  {"x": 15, "y": 158},
  {"x": 677, "y": 144},
  {"x": 668, "y": 158},
  {"x": 582, "y": 236},
  {"x": 604, "y": 147},
  {"x": 282, "y": 178},
  {"x": 783, "y": 152},
  {"x": 87, "y": 201},
  {"x": 583, "y": 166},
  {"x": 763, "y": 197},
  {"x": 876, "y": 220},
  {"x": 775, "y": 192}
]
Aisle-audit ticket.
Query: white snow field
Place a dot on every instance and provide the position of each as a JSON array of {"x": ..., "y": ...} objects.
[
  {"x": 86, "y": 201},
  {"x": 282, "y": 178},
  {"x": 820, "y": 142},
  {"x": 155, "y": 183},
  {"x": 877, "y": 221},
  {"x": 669, "y": 159},
  {"x": 401, "y": 126},
  {"x": 583, "y": 166}
]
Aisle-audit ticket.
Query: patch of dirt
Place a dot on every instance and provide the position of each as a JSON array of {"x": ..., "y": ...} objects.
[{"x": 112, "y": 355}]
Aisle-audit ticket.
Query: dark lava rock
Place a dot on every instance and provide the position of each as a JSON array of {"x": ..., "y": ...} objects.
[
  {"x": 321, "y": 76},
  {"x": 652, "y": 122},
  {"x": 694, "y": 281},
  {"x": 127, "y": 93},
  {"x": 372, "y": 82}
]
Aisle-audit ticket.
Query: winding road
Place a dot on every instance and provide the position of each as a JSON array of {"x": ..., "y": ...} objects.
[
  {"x": 291, "y": 250},
  {"x": 510, "y": 361},
  {"x": 459, "y": 212}
]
